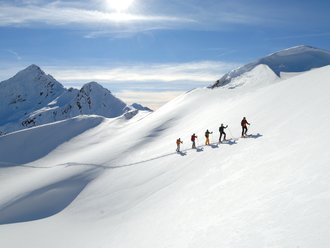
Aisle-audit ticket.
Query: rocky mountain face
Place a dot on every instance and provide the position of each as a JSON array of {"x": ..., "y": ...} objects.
[{"x": 32, "y": 98}]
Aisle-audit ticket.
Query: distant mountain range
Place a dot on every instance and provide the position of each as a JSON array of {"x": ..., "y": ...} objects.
[{"x": 32, "y": 98}]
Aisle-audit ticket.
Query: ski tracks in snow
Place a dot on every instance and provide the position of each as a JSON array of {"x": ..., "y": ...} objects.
[{"x": 49, "y": 198}]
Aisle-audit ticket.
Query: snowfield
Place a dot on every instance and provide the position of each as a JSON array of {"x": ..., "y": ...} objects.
[{"x": 119, "y": 182}]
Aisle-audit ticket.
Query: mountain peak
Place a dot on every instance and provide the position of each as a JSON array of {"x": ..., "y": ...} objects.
[
  {"x": 31, "y": 75},
  {"x": 295, "y": 59},
  {"x": 32, "y": 69},
  {"x": 94, "y": 86},
  {"x": 297, "y": 50}
]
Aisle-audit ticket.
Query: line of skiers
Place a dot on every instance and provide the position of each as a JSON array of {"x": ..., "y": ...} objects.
[{"x": 222, "y": 128}]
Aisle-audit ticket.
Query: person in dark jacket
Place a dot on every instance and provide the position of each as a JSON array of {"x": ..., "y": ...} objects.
[
  {"x": 222, "y": 132},
  {"x": 244, "y": 124},
  {"x": 193, "y": 139},
  {"x": 207, "y": 135}
]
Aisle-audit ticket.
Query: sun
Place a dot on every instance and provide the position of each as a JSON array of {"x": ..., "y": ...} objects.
[{"x": 119, "y": 5}]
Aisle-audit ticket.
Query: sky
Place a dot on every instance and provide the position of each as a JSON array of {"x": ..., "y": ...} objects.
[{"x": 149, "y": 51}]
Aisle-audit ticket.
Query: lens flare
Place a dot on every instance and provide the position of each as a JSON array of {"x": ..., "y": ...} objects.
[{"x": 119, "y": 5}]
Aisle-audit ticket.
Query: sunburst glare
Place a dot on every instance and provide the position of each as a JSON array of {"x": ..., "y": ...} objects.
[{"x": 119, "y": 5}]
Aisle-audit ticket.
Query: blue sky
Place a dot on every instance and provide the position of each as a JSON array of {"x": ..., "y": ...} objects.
[{"x": 152, "y": 50}]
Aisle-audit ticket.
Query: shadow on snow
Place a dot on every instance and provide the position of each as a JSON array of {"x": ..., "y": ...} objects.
[{"x": 45, "y": 201}]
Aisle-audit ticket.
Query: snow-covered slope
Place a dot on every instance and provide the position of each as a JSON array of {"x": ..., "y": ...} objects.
[
  {"x": 295, "y": 59},
  {"x": 259, "y": 76},
  {"x": 120, "y": 184},
  {"x": 34, "y": 143},
  {"x": 32, "y": 98}
]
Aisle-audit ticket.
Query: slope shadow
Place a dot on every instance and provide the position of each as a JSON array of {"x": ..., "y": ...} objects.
[
  {"x": 156, "y": 132},
  {"x": 45, "y": 201},
  {"x": 35, "y": 143}
]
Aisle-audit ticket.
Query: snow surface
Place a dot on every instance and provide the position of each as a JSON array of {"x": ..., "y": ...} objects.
[
  {"x": 35, "y": 143},
  {"x": 120, "y": 183}
]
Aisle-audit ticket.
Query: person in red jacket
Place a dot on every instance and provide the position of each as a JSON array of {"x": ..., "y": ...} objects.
[
  {"x": 193, "y": 139},
  {"x": 244, "y": 124}
]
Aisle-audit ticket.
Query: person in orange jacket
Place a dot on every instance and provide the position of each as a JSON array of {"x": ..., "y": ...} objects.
[
  {"x": 244, "y": 124},
  {"x": 207, "y": 135},
  {"x": 178, "y": 142}
]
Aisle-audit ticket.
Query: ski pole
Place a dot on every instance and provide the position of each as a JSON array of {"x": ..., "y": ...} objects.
[{"x": 230, "y": 133}]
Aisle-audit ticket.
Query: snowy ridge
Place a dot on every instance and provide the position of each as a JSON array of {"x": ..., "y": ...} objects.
[
  {"x": 295, "y": 59},
  {"x": 260, "y": 76},
  {"x": 32, "y": 98}
]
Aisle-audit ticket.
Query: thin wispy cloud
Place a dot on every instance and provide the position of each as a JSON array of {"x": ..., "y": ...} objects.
[
  {"x": 289, "y": 37},
  {"x": 202, "y": 71},
  {"x": 15, "y": 54},
  {"x": 165, "y": 76},
  {"x": 220, "y": 52},
  {"x": 153, "y": 100},
  {"x": 149, "y": 84},
  {"x": 101, "y": 21},
  {"x": 13, "y": 15}
]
